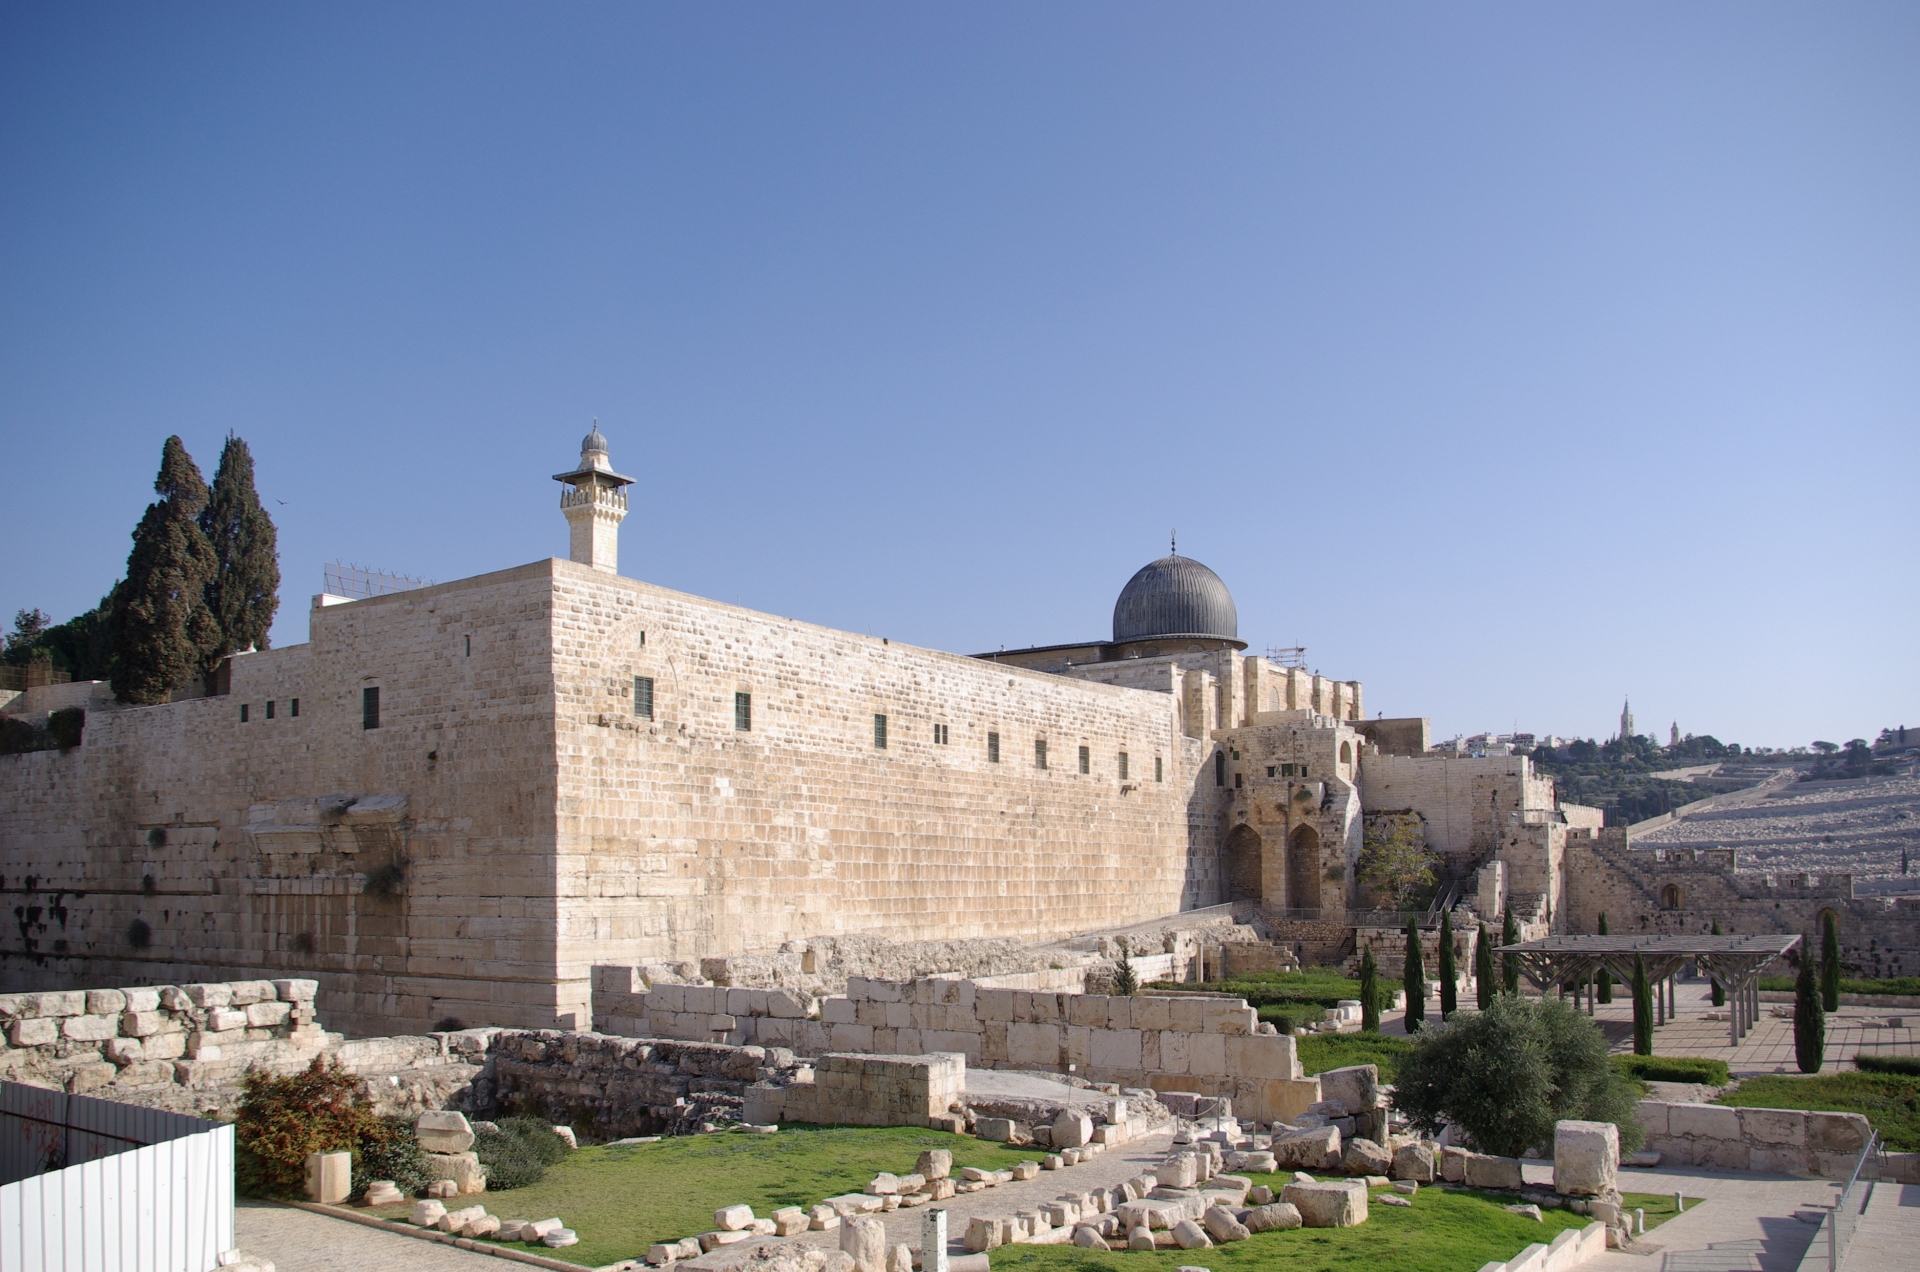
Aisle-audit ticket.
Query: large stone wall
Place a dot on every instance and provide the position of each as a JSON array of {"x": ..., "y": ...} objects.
[
  {"x": 1785, "y": 1141},
  {"x": 512, "y": 822}
]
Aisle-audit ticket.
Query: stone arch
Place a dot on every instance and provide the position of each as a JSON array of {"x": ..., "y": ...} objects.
[
  {"x": 1820, "y": 921},
  {"x": 1303, "y": 869},
  {"x": 1243, "y": 864},
  {"x": 1671, "y": 897},
  {"x": 1346, "y": 753}
]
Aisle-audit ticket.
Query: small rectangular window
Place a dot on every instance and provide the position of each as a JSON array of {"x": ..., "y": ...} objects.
[
  {"x": 1286, "y": 770},
  {"x": 993, "y": 748},
  {"x": 243, "y": 713},
  {"x": 469, "y": 652},
  {"x": 370, "y": 708},
  {"x": 743, "y": 712},
  {"x": 941, "y": 735},
  {"x": 879, "y": 732},
  {"x": 643, "y": 640},
  {"x": 293, "y": 707},
  {"x": 1086, "y": 759},
  {"x": 1236, "y": 781},
  {"x": 269, "y": 708},
  {"x": 1158, "y": 775},
  {"x": 1123, "y": 766},
  {"x": 1040, "y": 753},
  {"x": 643, "y": 696},
  {"x": 1270, "y": 770}
]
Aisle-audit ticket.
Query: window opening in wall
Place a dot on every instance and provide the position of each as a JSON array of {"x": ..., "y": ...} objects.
[
  {"x": 370, "y": 707},
  {"x": 469, "y": 652},
  {"x": 1286, "y": 770},
  {"x": 1219, "y": 768},
  {"x": 1086, "y": 759},
  {"x": 1158, "y": 775},
  {"x": 879, "y": 732},
  {"x": 643, "y": 640},
  {"x": 1040, "y": 753},
  {"x": 993, "y": 748},
  {"x": 269, "y": 708},
  {"x": 941, "y": 735},
  {"x": 1236, "y": 781},
  {"x": 743, "y": 712},
  {"x": 1270, "y": 772},
  {"x": 1236, "y": 755},
  {"x": 243, "y": 713},
  {"x": 293, "y": 706},
  {"x": 643, "y": 696},
  {"x": 1123, "y": 766}
]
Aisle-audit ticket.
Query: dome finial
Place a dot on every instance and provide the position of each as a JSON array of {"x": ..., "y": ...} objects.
[{"x": 1173, "y": 542}]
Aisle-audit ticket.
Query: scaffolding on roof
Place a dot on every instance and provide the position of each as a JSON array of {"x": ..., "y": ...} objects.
[{"x": 360, "y": 582}]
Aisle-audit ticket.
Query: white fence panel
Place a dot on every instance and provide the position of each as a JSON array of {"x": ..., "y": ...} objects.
[{"x": 166, "y": 1207}]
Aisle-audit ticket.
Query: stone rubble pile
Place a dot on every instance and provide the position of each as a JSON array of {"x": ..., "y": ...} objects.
[{"x": 474, "y": 1221}]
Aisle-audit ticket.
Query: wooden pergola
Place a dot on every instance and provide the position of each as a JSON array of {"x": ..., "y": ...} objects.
[{"x": 1735, "y": 961}]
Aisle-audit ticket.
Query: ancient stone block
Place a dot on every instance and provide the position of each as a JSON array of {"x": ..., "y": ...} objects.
[
  {"x": 1586, "y": 1157},
  {"x": 33, "y": 1032},
  {"x": 1189, "y": 1235},
  {"x": 865, "y": 1240},
  {"x": 443, "y": 1132},
  {"x": 1837, "y": 1132},
  {"x": 1413, "y": 1161},
  {"x": 1317, "y": 1148},
  {"x": 1703, "y": 1121},
  {"x": 105, "y": 1002},
  {"x": 1222, "y": 1226},
  {"x": 733, "y": 1218},
  {"x": 1071, "y": 1129},
  {"x": 1333, "y": 1204},
  {"x": 462, "y": 1169},
  {"x": 1355, "y": 1088},
  {"x": 1483, "y": 1171},
  {"x": 1364, "y": 1157},
  {"x": 91, "y": 1028},
  {"x": 329, "y": 1177},
  {"x": 1272, "y": 1216}
]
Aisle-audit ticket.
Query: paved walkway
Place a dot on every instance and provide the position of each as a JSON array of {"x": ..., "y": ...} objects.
[
  {"x": 1889, "y": 1233},
  {"x": 1745, "y": 1222},
  {"x": 302, "y": 1241}
]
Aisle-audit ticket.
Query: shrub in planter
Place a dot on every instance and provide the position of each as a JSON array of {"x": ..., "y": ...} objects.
[{"x": 518, "y": 1153}]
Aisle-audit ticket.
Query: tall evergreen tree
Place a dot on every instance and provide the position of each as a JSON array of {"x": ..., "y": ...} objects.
[
  {"x": 1809, "y": 1021},
  {"x": 1605, "y": 991},
  {"x": 1642, "y": 1009},
  {"x": 1413, "y": 978},
  {"x": 1829, "y": 963},
  {"x": 1449, "y": 973},
  {"x": 1719, "y": 990},
  {"x": 1369, "y": 993},
  {"x": 1510, "y": 970},
  {"x": 163, "y": 632},
  {"x": 245, "y": 592},
  {"x": 1483, "y": 969}
]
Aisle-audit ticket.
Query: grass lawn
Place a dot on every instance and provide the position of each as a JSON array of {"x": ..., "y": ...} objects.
[
  {"x": 1320, "y": 1052},
  {"x": 1891, "y": 1101},
  {"x": 622, "y": 1200},
  {"x": 1443, "y": 1231}
]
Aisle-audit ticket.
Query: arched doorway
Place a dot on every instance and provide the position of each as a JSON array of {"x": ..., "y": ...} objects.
[
  {"x": 1670, "y": 897},
  {"x": 1243, "y": 864},
  {"x": 1303, "y": 869}
]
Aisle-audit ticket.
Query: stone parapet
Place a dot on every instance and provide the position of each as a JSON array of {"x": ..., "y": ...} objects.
[{"x": 1784, "y": 1141}]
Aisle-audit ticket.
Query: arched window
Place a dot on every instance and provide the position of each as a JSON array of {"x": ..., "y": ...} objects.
[
  {"x": 1243, "y": 864},
  {"x": 1346, "y": 753},
  {"x": 1670, "y": 897},
  {"x": 1303, "y": 870}
]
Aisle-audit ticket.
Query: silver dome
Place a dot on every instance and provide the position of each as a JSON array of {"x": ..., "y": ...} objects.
[
  {"x": 1172, "y": 597},
  {"x": 594, "y": 441}
]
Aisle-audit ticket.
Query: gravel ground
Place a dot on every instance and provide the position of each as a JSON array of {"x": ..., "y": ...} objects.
[{"x": 1818, "y": 827}]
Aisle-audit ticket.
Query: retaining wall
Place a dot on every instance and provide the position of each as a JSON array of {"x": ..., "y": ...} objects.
[{"x": 1785, "y": 1141}]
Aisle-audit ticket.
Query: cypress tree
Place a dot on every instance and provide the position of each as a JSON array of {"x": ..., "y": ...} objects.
[
  {"x": 1369, "y": 993},
  {"x": 1510, "y": 935},
  {"x": 1642, "y": 1009},
  {"x": 1449, "y": 991},
  {"x": 1605, "y": 992},
  {"x": 1413, "y": 978},
  {"x": 1719, "y": 990},
  {"x": 163, "y": 632},
  {"x": 1829, "y": 963},
  {"x": 245, "y": 592},
  {"x": 1809, "y": 1021},
  {"x": 1483, "y": 969}
]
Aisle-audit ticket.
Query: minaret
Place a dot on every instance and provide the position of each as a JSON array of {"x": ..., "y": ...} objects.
[
  {"x": 594, "y": 505},
  {"x": 1626, "y": 715}
]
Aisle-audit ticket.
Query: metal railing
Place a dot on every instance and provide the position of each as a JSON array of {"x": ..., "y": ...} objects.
[{"x": 1829, "y": 1248}]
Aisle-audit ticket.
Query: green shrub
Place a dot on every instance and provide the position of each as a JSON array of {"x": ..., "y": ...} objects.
[
  {"x": 1320, "y": 1052},
  {"x": 1507, "y": 1074},
  {"x": 65, "y": 725},
  {"x": 1672, "y": 1069},
  {"x": 519, "y": 1152},
  {"x": 390, "y": 1151},
  {"x": 1287, "y": 1017},
  {"x": 1866, "y": 1062},
  {"x": 1901, "y": 986},
  {"x": 284, "y": 1119}
]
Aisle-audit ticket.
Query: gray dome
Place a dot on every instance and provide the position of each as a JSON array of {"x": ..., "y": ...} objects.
[
  {"x": 1171, "y": 597},
  {"x": 594, "y": 441}
]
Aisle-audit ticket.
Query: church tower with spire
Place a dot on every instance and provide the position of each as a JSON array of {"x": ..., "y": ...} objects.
[
  {"x": 594, "y": 504},
  {"x": 1626, "y": 719}
]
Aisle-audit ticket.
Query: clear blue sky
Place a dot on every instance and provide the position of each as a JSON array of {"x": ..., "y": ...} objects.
[{"x": 1511, "y": 358}]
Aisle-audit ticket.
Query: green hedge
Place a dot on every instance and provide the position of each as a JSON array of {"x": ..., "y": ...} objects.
[
  {"x": 1868, "y": 1063},
  {"x": 1320, "y": 1052},
  {"x": 519, "y": 1152},
  {"x": 1671, "y": 1069},
  {"x": 1282, "y": 989},
  {"x": 1287, "y": 1017},
  {"x": 1892, "y": 986}
]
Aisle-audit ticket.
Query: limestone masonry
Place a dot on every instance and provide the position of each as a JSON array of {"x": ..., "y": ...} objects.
[{"x": 486, "y": 802}]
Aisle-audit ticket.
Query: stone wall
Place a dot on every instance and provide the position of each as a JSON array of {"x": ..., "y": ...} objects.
[
  {"x": 1464, "y": 801},
  {"x": 156, "y": 1045},
  {"x": 512, "y": 822},
  {"x": 924, "y": 1090},
  {"x": 1787, "y": 1141}
]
